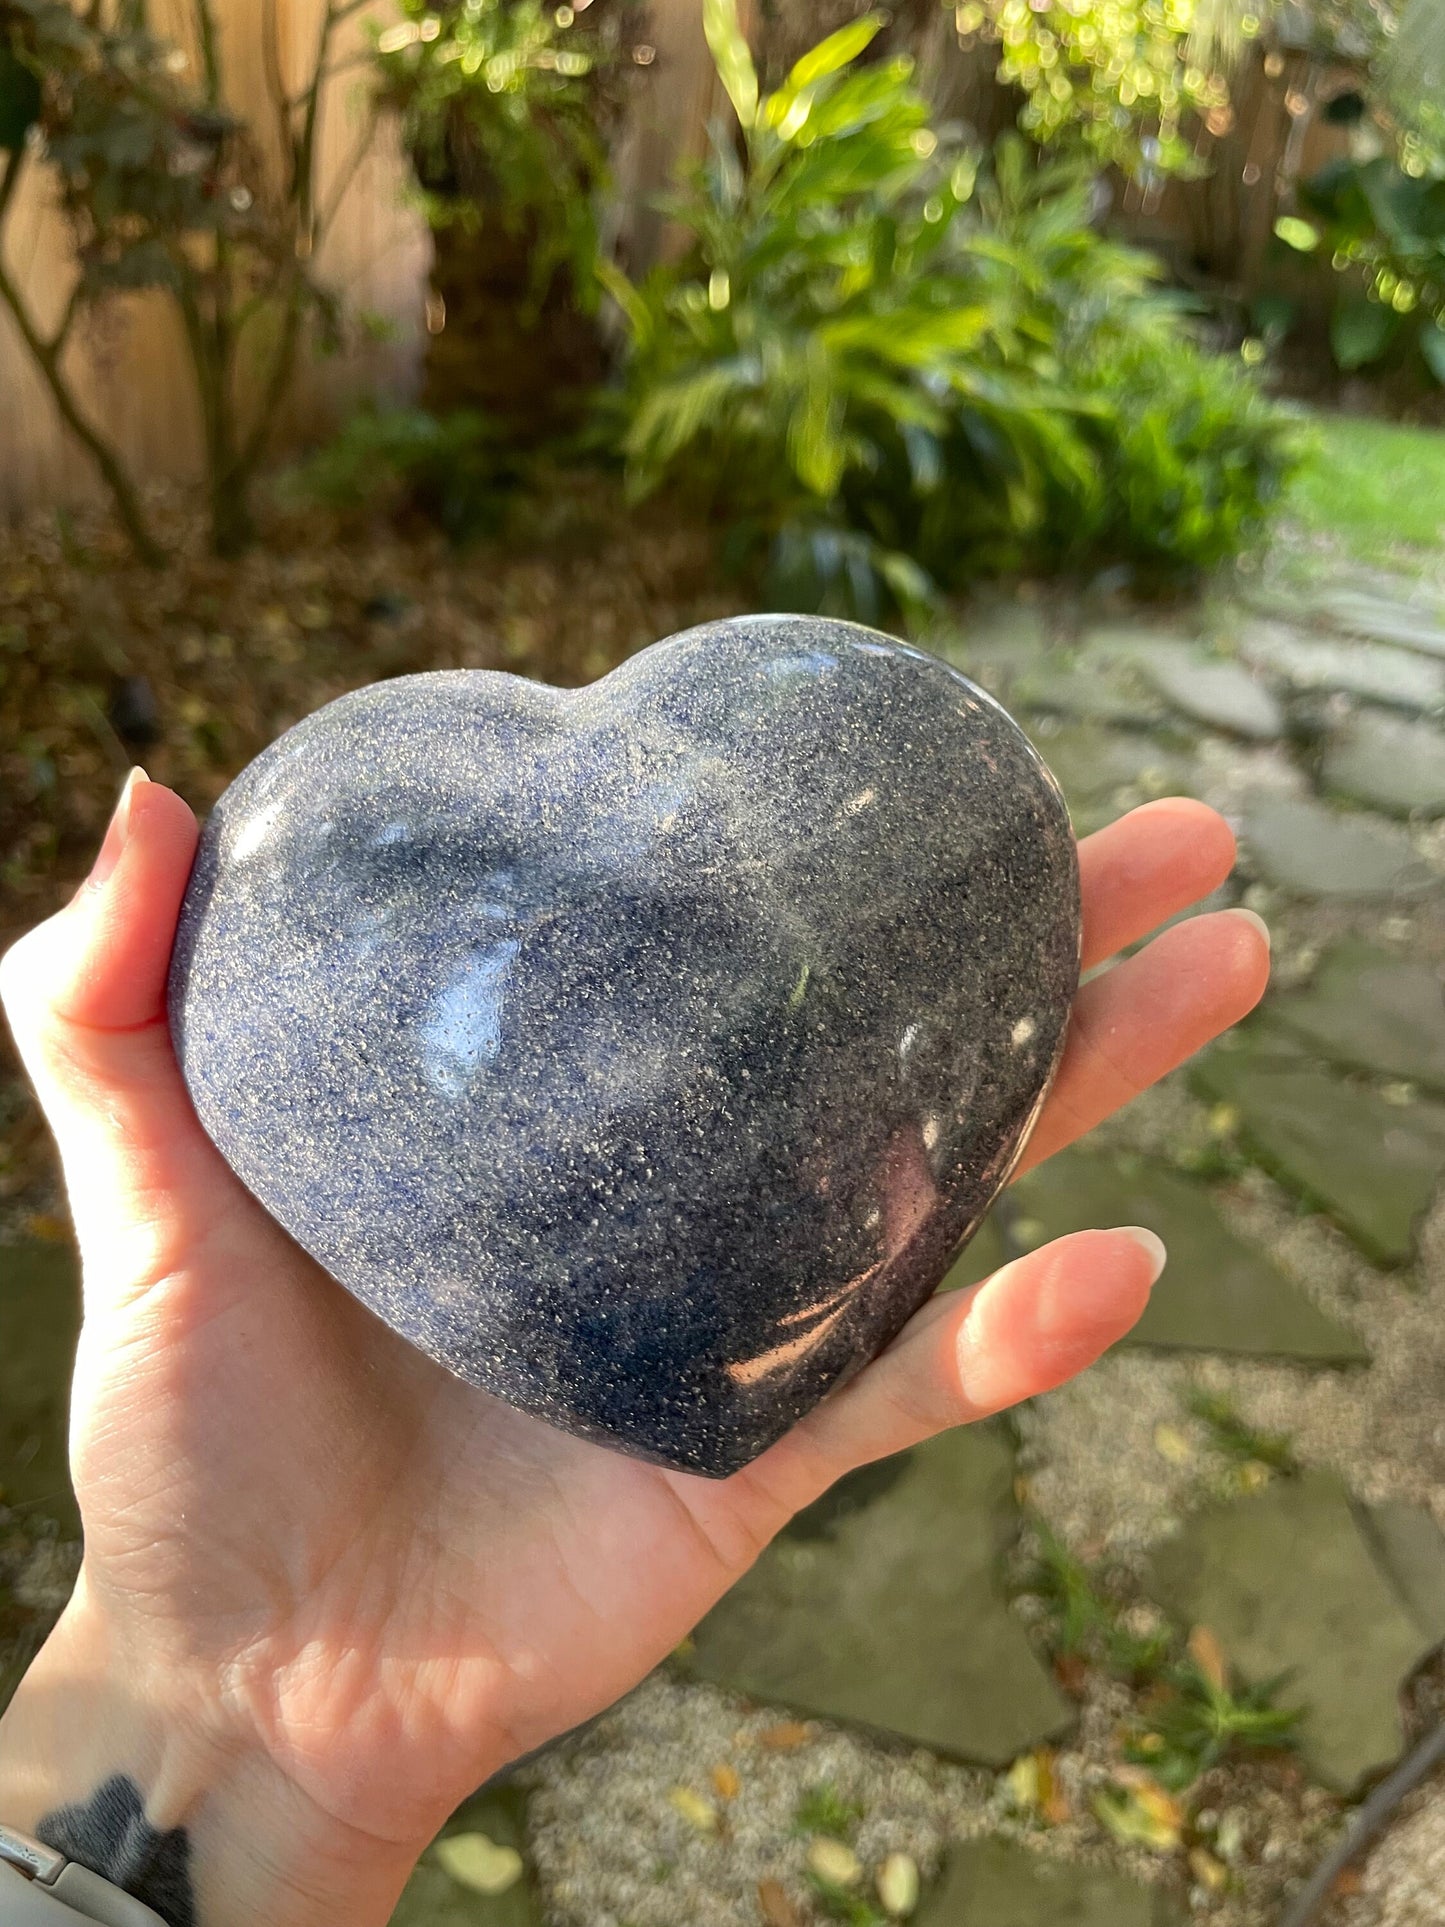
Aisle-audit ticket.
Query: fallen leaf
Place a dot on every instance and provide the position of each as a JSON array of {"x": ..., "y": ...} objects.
[
  {"x": 834, "y": 1861},
  {"x": 1208, "y": 1655},
  {"x": 1171, "y": 1444},
  {"x": 775, "y": 1907},
  {"x": 1139, "y": 1812},
  {"x": 787, "y": 1734},
  {"x": 1072, "y": 1673},
  {"x": 697, "y": 1812},
  {"x": 1034, "y": 1786},
  {"x": 897, "y": 1882},
  {"x": 475, "y": 1861},
  {"x": 1211, "y": 1874},
  {"x": 1348, "y": 1881},
  {"x": 1022, "y": 1780},
  {"x": 725, "y": 1782}
]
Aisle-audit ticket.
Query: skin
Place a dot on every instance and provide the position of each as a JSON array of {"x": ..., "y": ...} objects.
[{"x": 327, "y": 1589}]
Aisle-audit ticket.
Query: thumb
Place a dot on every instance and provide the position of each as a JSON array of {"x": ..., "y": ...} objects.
[{"x": 85, "y": 994}]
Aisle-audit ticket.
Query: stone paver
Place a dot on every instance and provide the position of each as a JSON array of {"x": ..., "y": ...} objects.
[
  {"x": 1090, "y": 691},
  {"x": 1374, "y": 670},
  {"x": 39, "y": 1324},
  {"x": 1370, "y": 1163},
  {"x": 1304, "y": 847},
  {"x": 994, "y": 1883},
  {"x": 1103, "y": 771},
  {"x": 1221, "y": 695},
  {"x": 887, "y": 1609},
  {"x": 1410, "y": 1548},
  {"x": 1388, "y": 763},
  {"x": 1385, "y": 619},
  {"x": 435, "y": 1898},
  {"x": 1091, "y": 761},
  {"x": 1217, "y": 1294},
  {"x": 997, "y": 634},
  {"x": 1374, "y": 1009},
  {"x": 1286, "y": 1582}
]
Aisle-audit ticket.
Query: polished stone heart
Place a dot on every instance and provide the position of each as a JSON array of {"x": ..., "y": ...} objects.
[{"x": 644, "y": 1052}]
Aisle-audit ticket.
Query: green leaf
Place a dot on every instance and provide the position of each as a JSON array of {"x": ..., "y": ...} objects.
[
  {"x": 628, "y": 298},
  {"x": 731, "y": 57},
  {"x": 1361, "y": 331},
  {"x": 838, "y": 50},
  {"x": 1302, "y": 236},
  {"x": 19, "y": 100},
  {"x": 1432, "y": 347}
]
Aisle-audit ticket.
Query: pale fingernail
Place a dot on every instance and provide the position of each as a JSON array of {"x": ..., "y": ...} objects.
[
  {"x": 1251, "y": 916},
  {"x": 117, "y": 831},
  {"x": 1151, "y": 1244}
]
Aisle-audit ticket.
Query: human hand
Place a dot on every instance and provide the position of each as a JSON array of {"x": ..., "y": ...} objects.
[{"x": 327, "y": 1589}]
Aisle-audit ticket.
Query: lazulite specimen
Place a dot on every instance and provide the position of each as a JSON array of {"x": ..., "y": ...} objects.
[{"x": 643, "y": 1052}]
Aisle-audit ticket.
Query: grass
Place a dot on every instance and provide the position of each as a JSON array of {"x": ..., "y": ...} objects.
[
  {"x": 1372, "y": 485},
  {"x": 1236, "y": 1439},
  {"x": 823, "y": 1809},
  {"x": 1084, "y": 1621}
]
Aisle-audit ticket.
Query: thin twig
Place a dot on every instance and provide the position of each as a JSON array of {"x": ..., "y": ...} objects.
[
  {"x": 281, "y": 103},
  {"x": 346, "y": 177},
  {"x": 210, "y": 49},
  {"x": 63, "y": 327},
  {"x": 10, "y": 180},
  {"x": 1367, "y": 1824},
  {"x": 274, "y": 392},
  {"x": 349, "y": 65},
  {"x": 47, "y": 360}
]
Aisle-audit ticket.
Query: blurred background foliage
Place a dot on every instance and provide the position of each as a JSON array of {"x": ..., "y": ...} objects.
[{"x": 900, "y": 331}]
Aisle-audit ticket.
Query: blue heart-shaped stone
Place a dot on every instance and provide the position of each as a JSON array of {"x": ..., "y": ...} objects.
[{"x": 644, "y": 1052}]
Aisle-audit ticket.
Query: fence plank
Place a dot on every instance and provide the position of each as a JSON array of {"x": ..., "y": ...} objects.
[{"x": 129, "y": 364}]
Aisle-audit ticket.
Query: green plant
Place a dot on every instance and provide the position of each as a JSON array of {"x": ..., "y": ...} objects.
[
  {"x": 1194, "y": 460},
  {"x": 499, "y": 103},
  {"x": 822, "y": 1809},
  {"x": 1127, "y": 79},
  {"x": 164, "y": 188},
  {"x": 1198, "y": 1716},
  {"x": 838, "y": 1903},
  {"x": 1085, "y": 1621},
  {"x": 1383, "y": 228},
  {"x": 459, "y": 473},
  {"x": 887, "y": 367},
  {"x": 1238, "y": 1440}
]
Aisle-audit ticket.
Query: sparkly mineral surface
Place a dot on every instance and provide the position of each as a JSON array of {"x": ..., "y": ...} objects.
[{"x": 645, "y": 1052}]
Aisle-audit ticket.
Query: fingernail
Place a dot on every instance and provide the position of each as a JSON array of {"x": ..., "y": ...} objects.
[
  {"x": 113, "y": 846},
  {"x": 1252, "y": 917},
  {"x": 1150, "y": 1243}
]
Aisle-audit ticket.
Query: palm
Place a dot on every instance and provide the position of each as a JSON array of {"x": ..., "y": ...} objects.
[
  {"x": 400, "y": 1581},
  {"x": 264, "y": 1460}
]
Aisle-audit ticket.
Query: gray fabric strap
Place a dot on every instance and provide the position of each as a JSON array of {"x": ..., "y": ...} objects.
[{"x": 76, "y": 1895}]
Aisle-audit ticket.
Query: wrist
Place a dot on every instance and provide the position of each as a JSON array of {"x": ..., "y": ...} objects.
[{"x": 116, "y": 1762}]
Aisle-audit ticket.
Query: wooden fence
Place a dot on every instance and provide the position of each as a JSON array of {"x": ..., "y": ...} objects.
[{"x": 130, "y": 368}]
